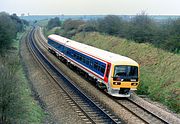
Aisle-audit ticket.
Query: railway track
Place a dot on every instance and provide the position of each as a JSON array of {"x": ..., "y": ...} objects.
[
  {"x": 90, "y": 111},
  {"x": 139, "y": 111}
]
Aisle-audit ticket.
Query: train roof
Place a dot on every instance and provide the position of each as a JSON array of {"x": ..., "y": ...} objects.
[{"x": 93, "y": 51}]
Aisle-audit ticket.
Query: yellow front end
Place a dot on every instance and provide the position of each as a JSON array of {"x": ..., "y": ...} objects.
[{"x": 120, "y": 87}]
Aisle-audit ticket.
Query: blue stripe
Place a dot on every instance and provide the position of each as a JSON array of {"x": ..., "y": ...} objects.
[{"x": 77, "y": 56}]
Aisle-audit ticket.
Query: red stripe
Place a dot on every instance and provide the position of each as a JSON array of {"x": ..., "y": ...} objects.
[
  {"x": 106, "y": 62},
  {"x": 106, "y": 78},
  {"x": 84, "y": 68},
  {"x": 81, "y": 51}
]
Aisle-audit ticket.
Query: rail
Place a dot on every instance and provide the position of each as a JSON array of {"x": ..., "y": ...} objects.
[{"x": 94, "y": 112}]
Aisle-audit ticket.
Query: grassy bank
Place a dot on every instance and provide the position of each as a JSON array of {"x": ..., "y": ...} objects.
[
  {"x": 160, "y": 72},
  {"x": 52, "y": 31},
  {"x": 16, "y": 102}
]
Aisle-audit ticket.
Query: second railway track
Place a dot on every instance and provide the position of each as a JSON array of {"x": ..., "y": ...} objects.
[
  {"x": 90, "y": 111},
  {"x": 141, "y": 112}
]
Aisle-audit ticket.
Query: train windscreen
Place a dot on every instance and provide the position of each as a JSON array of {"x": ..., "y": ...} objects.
[{"x": 126, "y": 73}]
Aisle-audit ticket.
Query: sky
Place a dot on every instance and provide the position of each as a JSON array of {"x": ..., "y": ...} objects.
[{"x": 91, "y": 7}]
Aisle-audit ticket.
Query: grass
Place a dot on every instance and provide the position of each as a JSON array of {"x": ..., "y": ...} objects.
[
  {"x": 17, "y": 104},
  {"x": 43, "y": 23},
  {"x": 51, "y": 31},
  {"x": 160, "y": 72},
  {"x": 159, "y": 69}
]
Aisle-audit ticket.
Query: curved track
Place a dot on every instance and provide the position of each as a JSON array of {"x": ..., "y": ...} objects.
[
  {"x": 139, "y": 111},
  {"x": 90, "y": 111}
]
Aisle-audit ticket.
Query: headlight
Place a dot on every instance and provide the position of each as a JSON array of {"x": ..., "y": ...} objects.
[{"x": 117, "y": 83}]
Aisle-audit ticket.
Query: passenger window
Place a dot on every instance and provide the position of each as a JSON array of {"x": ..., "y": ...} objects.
[
  {"x": 80, "y": 58},
  {"x": 65, "y": 50},
  {"x": 68, "y": 52},
  {"x": 102, "y": 69},
  {"x": 91, "y": 63},
  {"x": 87, "y": 61},
  {"x": 75, "y": 55},
  {"x": 96, "y": 65},
  {"x": 72, "y": 54},
  {"x": 98, "y": 68},
  {"x": 83, "y": 59}
]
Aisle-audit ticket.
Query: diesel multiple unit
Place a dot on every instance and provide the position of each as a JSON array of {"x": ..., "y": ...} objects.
[{"x": 117, "y": 75}]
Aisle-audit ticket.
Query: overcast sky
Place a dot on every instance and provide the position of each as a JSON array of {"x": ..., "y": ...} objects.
[{"x": 87, "y": 7}]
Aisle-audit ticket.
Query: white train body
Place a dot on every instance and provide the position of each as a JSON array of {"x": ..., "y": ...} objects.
[{"x": 117, "y": 75}]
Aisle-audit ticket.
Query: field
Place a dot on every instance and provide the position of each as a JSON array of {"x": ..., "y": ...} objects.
[{"x": 160, "y": 72}]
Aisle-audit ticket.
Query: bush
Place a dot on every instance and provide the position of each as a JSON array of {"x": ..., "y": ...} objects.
[
  {"x": 89, "y": 26},
  {"x": 16, "y": 103},
  {"x": 71, "y": 27},
  {"x": 18, "y": 22},
  {"x": 171, "y": 41},
  {"x": 10, "y": 25},
  {"x": 54, "y": 22},
  {"x": 7, "y": 31},
  {"x": 111, "y": 24},
  {"x": 57, "y": 31},
  {"x": 70, "y": 24},
  {"x": 142, "y": 29}
]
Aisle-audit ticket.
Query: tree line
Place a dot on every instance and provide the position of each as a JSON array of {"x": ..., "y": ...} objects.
[
  {"x": 141, "y": 28},
  {"x": 16, "y": 104},
  {"x": 10, "y": 25}
]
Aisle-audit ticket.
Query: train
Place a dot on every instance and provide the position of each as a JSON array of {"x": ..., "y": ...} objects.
[{"x": 115, "y": 74}]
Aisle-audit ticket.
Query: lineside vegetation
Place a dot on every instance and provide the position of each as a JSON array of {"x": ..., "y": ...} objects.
[
  {"x": 159, "y": 69},
  {"x": 155, "y": 45},
  {"x": 16, "y": 102},
  {"x": 141, "y": 29}
]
